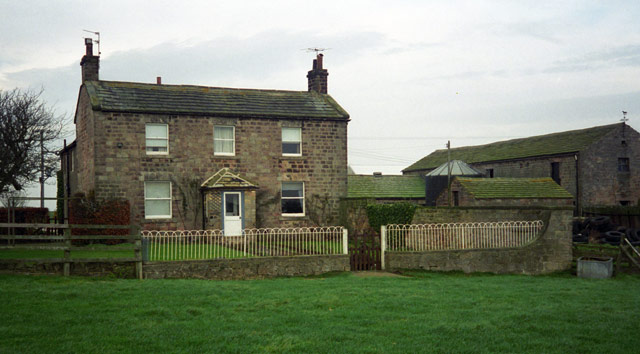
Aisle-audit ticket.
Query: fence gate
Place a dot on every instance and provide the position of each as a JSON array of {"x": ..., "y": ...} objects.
[{"x": 365, "y": 252}]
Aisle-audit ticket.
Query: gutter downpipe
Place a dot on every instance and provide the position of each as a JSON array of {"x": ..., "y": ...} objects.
[{"x": 578, "y": 194}]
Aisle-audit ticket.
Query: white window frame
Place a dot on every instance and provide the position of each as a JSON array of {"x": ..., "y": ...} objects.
[
  {"x": 233, "y": 129},
  {"x": 170, "y": 200},
  {"x": 293, "y": 141},
  {"x": 146, "y": 138},
  {"x": 284, "y": 198}
]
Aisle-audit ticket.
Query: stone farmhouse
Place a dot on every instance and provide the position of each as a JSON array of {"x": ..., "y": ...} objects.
[
  {"x": 598, "y": 165},
  {"x": 193, "y": 157}
]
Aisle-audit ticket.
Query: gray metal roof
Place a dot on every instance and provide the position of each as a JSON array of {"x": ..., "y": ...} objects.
[{"x": 458, "y": 168}]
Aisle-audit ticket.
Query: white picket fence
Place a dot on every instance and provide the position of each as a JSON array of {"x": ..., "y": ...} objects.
[
  {"x": 459, "y": 236},
  {"x": 212, "y": 244}
]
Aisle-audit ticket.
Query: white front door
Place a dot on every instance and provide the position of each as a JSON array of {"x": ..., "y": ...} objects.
[{"x": 232, "y": 211}]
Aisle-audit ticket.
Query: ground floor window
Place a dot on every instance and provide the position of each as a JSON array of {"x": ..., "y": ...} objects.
[
  {"x": 292, "y": 198},
  {"x": 157, "y": 199}
]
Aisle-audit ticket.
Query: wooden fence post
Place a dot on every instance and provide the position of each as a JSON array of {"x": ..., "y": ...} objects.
[
  {"x": 135, "y": 233},
  {"x": 383, "y": 245},
  {"x": 67, "y": 251}
]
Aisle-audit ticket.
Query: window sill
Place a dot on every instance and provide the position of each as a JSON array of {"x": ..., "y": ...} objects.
[
  {"x": 159, "y": 219},
  {"x": 293, "y": 217},
  {"x": 225, "y": 156},
  {"x": 292, "y": 157}
]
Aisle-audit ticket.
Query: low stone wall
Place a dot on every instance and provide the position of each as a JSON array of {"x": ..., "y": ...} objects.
[
  {"x": 247, "y": 268},
  {"x": 550, "y": 252},
  {"x": 120, "y": 270}
]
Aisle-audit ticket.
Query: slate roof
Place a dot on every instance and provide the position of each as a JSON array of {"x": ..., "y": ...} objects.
[
  {"x": 542, "y": 145},
  {"x": 115, "y": 96},
  {"x": 458, "y": 168},
  {"x": 226, "y": 179},
  {"x": 513, "y": 188},
  {"x": 389, "y": 187}
]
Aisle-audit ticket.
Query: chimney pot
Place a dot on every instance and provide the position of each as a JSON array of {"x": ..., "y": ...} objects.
[
  {"x": 90, "y": 63},
  {"x": 317, "y": 76},
  {"x": 88, "y": 43},
  {"x": 159, "y": 80}
]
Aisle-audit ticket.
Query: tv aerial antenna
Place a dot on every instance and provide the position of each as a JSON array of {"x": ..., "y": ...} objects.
[
  {"x": 96, "y": 41},
  {"x": 624, "y": 117},
  {"x": 315, "y": 49}
]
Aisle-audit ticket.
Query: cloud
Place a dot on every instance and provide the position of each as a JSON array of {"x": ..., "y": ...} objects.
[
  {"x": 545, "y": 31},
  {"x": 411, "y": 47},
  {"x": 628, "y": 56},
  {"x": 271, "y": 59},
  {"x": 229, "y": 61}
]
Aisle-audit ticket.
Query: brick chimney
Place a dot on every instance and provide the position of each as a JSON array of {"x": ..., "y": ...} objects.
[
  {"x": 317, "y": 76},
  {"x": 90, "y": 63}
]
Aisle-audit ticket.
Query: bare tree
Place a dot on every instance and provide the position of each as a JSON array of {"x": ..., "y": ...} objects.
[
  {"x": 12, "y": 197},
  {"x": 28, "y": 133}
]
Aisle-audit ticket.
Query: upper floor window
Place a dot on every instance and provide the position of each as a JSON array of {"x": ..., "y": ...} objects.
[
  {"x": 224, "y": 140},
  {"x": 292, "y": 141},
  {"x": 157, "y": 200},
  {"x": 157, "y": 139},
  {"x": 292, "y": 198},
  {"x": 623, "y": 164}
]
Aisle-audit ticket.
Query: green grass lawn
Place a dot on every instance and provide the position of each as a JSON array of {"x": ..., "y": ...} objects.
[{"x": 425, "y": 312}]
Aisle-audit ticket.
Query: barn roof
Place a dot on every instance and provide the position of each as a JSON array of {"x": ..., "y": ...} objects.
[
  {"x": 541, "y": 145},
  {"x": 513, "y": 188}
]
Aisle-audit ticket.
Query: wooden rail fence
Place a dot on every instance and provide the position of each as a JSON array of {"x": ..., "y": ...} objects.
[{"x": 62, "y": 233}]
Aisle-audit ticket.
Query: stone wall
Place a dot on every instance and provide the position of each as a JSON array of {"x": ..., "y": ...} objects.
[
  {"x": 550, "y": 252},
  {"x": 600, "y": 181},
  {"x": 247, "y": 268},
  {"x": 467, "y": 199},
  {"x": 120, "y": 270},
  {"x": 122, "y": 165}
]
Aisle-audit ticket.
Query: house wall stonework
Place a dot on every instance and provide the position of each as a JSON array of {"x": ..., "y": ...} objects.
[
  {"x": 122, "y": 164},
  {"x": 85, "y": 147}
]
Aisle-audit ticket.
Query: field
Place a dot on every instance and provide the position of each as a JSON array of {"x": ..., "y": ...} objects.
[{"x": 422, "y": 312}]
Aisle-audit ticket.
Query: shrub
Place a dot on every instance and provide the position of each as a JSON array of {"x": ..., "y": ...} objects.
[
  {"x": 86, "y": 210},
  {"x": 26, "y": 215},
  {"x": 384, "y": 214}
]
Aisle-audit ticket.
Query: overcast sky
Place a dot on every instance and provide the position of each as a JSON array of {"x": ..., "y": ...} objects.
[{"x": 412, "y": 74}]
